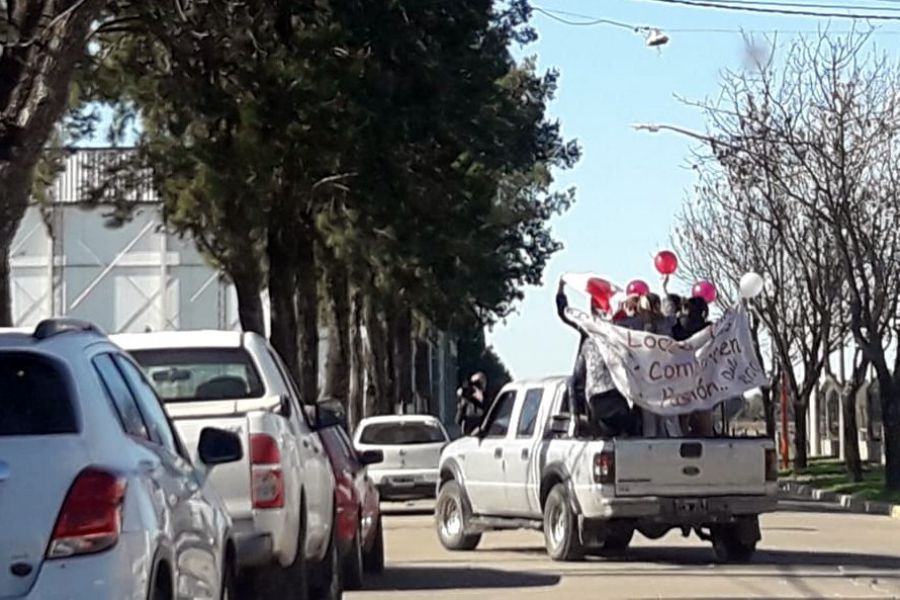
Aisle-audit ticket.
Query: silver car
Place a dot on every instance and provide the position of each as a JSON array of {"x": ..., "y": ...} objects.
[{"x": 98, "y": 497}]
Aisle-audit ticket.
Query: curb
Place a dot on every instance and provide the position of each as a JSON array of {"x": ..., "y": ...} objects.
[{"x": 853, "y": 504}]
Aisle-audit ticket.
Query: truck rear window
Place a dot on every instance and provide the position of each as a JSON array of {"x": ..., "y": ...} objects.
[
  {"x": 397, "y": 434},
  {"x": 36, "y": 398},
  {"x": 198, "y": 374}
]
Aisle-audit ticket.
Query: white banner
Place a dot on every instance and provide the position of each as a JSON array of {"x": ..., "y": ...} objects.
[{"x": 670, "y": 378}]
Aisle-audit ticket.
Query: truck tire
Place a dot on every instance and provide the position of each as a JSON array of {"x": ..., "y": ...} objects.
[
  {"x": 275, "y": 582},
  {"x": 373, "y": 559},
  {"x": 329, "y": 582},
  {"x": 735, "y": 543},
  {"x": 561, "y": 526},
  {"x": 451, "y": 519}
]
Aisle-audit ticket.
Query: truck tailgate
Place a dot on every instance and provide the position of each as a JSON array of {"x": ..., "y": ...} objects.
[
  {"x": 690, "y": 467},
  {"x": 232, "y": 480}
]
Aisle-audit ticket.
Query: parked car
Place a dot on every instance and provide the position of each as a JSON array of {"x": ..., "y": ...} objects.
[
  {"x": 411, "y": 445},
  {"x": 281, "y": 496},
  {"x": 358, "y": 512},
  {"x": 526, "y": 467},
  {"x": 98, "y": 497}
]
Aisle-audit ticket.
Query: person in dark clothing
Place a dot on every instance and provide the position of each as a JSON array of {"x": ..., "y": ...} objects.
[
  {"x": 694, "y": 317},
  {"x": 591, "y": 389},
  {"x": 470, "y": 405}
]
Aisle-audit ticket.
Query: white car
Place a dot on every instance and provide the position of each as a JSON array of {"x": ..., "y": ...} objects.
[
  {"x": 412, "y": 447},
  {"x": 281, "y": 496},
  {"x": 98, "y": 497}
]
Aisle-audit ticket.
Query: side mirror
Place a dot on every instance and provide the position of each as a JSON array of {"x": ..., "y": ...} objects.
[
  {"x": 285, "y": 409},
  {"x": 559, "y": 424},
  {"x": 218, "y": 446},
  {"x": 328, "y": 419},
  {"x": 371, "y": 457}
]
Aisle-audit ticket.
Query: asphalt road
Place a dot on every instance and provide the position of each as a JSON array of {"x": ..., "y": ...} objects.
[{"x": 808, "y": 551}]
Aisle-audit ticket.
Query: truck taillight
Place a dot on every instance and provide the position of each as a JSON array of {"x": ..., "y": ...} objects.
[
  {"x": 91, "y": 515},
  {"x": 771, "y": 465},
  {"x": 266, "y": 477},
  {"x": 605, "y": 467}
]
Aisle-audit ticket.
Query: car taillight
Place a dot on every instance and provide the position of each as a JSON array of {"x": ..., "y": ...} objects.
[
  {"x": 605, "y": 467},
  {"x": 771, "y": 465},
  {"x": 266, "y": 478},
  {"x": 91, "y": 515}
]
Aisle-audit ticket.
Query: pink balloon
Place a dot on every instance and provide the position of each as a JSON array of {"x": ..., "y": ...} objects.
[
  {"x": 666, "y": 262},
  {"x": 705, "y": 290},
  {"x": 638, "y": 288}
]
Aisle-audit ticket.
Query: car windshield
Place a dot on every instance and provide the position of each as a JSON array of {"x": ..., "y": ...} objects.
[
  {"x": 35, "y": 398},
  {"x": 400, "y": 433},
  {"x": 196, "y": 374}
]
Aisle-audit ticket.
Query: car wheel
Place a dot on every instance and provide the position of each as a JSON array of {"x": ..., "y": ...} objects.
[
  {"x": 561, "y": 527},
  {"x": 229, "y": 583},
  {"x": 353, "y": 564},
  {"x": 728, "y": 547},
  {"x": 329, "y": 585},
  {"x": 451, "y": 515},
  {"x": 373, "y": 559}
]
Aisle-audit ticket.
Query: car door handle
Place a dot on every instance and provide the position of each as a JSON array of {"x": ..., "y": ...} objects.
[
  {"x": 498, "y": 452},
  {"x": 524, "y": 453}
]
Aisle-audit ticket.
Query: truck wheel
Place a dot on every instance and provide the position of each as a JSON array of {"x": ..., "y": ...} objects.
[
  {"x": 329, "y": 584},
  {"x": 561, "y": 526},
  {"x": 373, "y": 559},
  {"x": 451, "y": 516},
  {"x": 735, "y": 543},
  {"x": 353, "y": 564}
]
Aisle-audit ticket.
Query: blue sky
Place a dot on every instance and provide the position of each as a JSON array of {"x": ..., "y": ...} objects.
[{"x": 630, "y": 184}]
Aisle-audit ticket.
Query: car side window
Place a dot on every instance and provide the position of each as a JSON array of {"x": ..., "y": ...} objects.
[
  {"x": 150, "y": 406},
  {"x": 292, "y": 386},
  {"x": 120, "y": 395},
  {"x": 498, "y": 421},
  {"x": 529, "y": 413}
]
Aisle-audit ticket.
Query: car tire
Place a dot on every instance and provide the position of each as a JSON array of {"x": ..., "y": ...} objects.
[
  {"x": 353, "y": 564},
  {"x": 561, "y": 527},
  {"x": 229, "y": 583},
  {"x": 728, "y": 547},
  {"x": 329, "y": 583},
  {"x": 373, "y": 559},
  {"x": 451, "y": 516}
]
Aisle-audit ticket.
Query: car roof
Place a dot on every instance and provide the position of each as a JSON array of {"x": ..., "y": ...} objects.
[
  {"x": 62, "y": 343},
  {"x": 399, "y": 419},
  {"x": 539, "y": 381},
  {"x": 159, "y": 340}
]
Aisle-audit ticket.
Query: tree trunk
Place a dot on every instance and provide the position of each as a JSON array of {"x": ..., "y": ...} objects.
[
  {"x": 307, "y": 297},
  {"x": 6, "y": 317},
  {"x": 423, "y": 378},
  {"x": 800, "y": 436},
  {"x": 44, "y": 41},
  {"x": 890, "y": 411},
  {"x": 250, "y": 307},
  {"x": 380, "y": 397},
  {"x": 851, "y": 432},
  {"x": 337, "y": 366},
  {"x": 403, "y": 358},
  {"x": 356, "y": 391},
  {"x": 283, "y": 309},
  {"x": 769, "y": 411}
]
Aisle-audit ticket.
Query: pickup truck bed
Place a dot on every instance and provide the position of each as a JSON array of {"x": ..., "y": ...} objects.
[{"x": 525, "y": 468}]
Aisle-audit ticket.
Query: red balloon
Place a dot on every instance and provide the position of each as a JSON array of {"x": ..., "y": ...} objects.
[
  {"x": 705, "y": 290},
  {"x": 666, "y": 262},
  {"x": 638, "y": 288}
]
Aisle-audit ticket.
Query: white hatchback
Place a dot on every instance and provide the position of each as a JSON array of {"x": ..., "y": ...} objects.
[
  {"x": 98, "y": 496},
  {"x": 412, "y": 447}
]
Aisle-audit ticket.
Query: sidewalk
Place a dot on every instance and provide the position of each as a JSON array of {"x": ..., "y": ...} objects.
[{"x": 826, "y": 481}]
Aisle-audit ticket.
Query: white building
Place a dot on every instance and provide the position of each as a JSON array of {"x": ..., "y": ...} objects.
[{"x": 67, "y": 261}]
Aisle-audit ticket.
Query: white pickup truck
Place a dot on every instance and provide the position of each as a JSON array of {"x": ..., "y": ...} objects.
[
  {"x": 525, "y": 468},
  {"x": 281, "y": 495}
]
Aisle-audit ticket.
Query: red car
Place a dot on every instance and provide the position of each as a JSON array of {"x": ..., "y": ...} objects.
[{"x": 358, "y": 514}]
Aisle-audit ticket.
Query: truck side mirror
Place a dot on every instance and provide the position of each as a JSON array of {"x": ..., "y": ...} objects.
[{"x": 559, "y": 424}]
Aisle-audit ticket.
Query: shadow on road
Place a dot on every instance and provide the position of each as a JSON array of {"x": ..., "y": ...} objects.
[
  {"x": 447, "y": 578},
  {"x": 412, "y": 508},
  {"x": 700, "y": 556}
]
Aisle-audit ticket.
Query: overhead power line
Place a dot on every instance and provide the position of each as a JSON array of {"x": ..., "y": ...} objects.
[
  {"x": 808, "y": 5},
  {"x": 589, "y": 21},
  {"x": 771, "y": 10}
]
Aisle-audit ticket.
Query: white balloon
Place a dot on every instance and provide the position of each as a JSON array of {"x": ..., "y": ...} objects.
[{"x": 751, "y": 285}]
